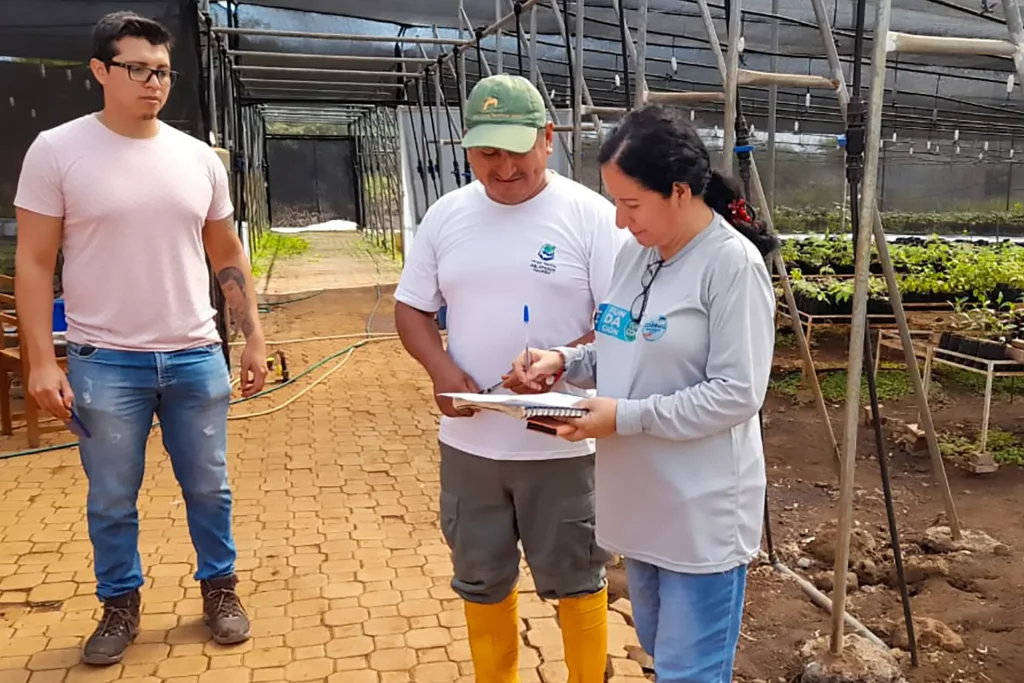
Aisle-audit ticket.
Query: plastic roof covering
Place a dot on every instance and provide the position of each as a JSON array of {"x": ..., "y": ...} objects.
[
  {"x": 326, "y": 114},
  {"x": 984, "y": 82}
]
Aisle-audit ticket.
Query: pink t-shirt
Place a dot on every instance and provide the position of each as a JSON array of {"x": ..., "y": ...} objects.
[{"x": 135, "y": 274}]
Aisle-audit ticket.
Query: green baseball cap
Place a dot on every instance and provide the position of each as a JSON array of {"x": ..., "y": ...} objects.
[{"x": 504, "y": 112}]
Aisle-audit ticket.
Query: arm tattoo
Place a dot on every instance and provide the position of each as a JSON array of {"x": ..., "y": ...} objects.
[{"x": 232, "y": 284}]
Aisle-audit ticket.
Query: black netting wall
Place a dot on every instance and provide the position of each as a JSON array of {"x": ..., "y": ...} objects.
[
  {"x": 312, "y": 180},
  {"x": 44, "y": 77}
]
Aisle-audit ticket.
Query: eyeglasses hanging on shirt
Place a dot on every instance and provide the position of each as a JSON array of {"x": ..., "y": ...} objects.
[{"x": 653, "y": 268}]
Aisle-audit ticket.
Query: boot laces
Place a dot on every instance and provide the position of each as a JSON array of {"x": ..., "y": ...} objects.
[
  {"x": 116, "y": 622},
  {"x": 226, "y": 603}
]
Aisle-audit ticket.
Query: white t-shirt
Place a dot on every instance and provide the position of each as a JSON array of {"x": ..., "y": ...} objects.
[{"x": 485, "y": 261}]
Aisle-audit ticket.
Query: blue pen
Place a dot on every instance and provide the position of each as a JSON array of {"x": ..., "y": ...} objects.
[{"x": 526, "y": 329}]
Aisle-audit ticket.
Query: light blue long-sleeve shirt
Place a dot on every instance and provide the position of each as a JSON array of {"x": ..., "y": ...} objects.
[{"x": 681, "y": 484}]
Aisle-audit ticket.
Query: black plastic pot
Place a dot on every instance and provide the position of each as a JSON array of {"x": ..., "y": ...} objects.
[
  {"x": 945, "y": 339},
  {"x": 991, "y": 350},
  {"x": 878, "y": 306},
  {"x": 842, "y": 307},
  {"x": 969, "y": 347}
]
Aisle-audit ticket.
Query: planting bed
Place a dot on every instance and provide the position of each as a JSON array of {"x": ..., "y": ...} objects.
[{"x": 963, "y": 273}]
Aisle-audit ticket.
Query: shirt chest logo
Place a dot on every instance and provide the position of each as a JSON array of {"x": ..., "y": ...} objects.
[
  {"x": 544, "y": 263},
  {"x": 654, "y": 330},
  {"x": 616, "y": 322}
]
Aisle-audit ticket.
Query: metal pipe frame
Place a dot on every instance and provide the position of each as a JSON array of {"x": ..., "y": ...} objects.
[
  {"x": 347, "y": 84},
  {"x": 363, "y": 59},
  {"x": 577, "y": 104},
  {"x": 339, "y": 72},
  {"x": 732, "y": 66},
  {"x": 350, "y": 37}
]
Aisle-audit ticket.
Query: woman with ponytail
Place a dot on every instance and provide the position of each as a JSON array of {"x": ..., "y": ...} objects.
[{"x": 680, "y": 361}]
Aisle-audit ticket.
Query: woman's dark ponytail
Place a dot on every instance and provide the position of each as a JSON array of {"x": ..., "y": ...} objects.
[
  {"x": 723, "y": 195},
  {"x": 656, "y": 146}
]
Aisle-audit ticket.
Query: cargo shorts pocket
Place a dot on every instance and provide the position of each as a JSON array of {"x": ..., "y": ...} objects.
[
  {"x": 576, "y": 534},
  {"x": 449, "y": 517}
]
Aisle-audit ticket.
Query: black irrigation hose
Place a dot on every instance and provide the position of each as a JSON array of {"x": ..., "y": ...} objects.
[
  {"x": 426, "y": 143},
  {"x": 466, "y": 171},
  {"x": 518, "y": 9},
  {"x": 479, "y": 33},
  {"x": 419, "y": 155},
  {"x": 433, "y": 127},
  {"x": 456, "y": 171}
]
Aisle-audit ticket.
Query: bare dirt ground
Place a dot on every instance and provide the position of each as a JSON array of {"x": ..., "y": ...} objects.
[{"x": 346, "y": 576}]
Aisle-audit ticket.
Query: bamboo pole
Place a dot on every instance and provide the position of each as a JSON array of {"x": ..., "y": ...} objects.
[
  {"x": 858, "y": 322},
  {"x": 909, "y": 43}
]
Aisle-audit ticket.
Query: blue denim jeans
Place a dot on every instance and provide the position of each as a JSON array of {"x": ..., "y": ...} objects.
[
  {"x": 689, "y": 623},
  {"x": 117, "y": 395}
]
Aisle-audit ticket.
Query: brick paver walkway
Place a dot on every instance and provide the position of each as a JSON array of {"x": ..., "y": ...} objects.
[{"x": 341, "y": 561}]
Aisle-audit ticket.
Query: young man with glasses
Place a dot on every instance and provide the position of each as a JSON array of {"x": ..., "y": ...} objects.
[{"x": 137, "y": 206}]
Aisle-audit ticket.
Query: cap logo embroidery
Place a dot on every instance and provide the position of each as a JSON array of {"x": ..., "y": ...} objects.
[{"x": 488, "y": 103}]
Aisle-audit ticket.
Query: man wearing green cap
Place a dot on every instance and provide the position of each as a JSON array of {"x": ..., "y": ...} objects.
[{"x": 520, "y": 236}]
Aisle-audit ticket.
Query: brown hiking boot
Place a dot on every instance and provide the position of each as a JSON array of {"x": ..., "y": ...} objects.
[
  {"x": 116, "y": 631},
  {"x": 223, "y": 611}
]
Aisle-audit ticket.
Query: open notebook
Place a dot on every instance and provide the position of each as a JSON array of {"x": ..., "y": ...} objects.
[{"x": 522, "y": 406}]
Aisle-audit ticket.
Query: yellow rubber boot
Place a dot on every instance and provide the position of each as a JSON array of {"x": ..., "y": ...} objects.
[
  {"x": 494, "y": 639},
  {"x": 584, "y": 622}
]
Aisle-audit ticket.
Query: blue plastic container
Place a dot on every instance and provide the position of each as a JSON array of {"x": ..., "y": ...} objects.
[{"x": 60, "y": 323}]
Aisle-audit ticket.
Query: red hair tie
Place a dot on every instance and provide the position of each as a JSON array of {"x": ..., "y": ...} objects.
[{"x": 740, "y": 211}]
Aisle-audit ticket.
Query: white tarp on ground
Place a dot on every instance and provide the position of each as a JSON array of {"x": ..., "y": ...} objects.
[{"x": 329, "y": 226}]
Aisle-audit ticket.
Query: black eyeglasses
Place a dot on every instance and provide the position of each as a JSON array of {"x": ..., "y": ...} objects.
[
  {"x": 142, "y": 74},
  {"x": 646, "y": 281}
]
